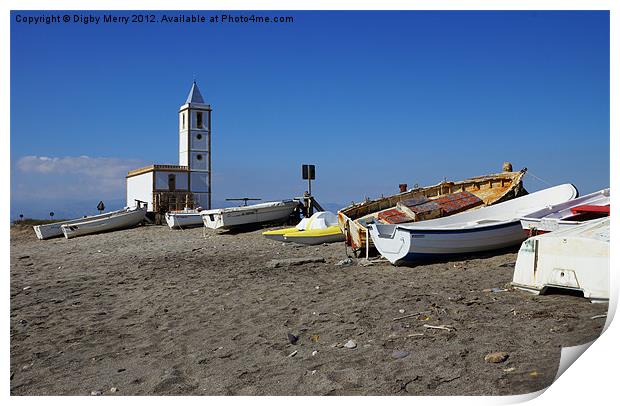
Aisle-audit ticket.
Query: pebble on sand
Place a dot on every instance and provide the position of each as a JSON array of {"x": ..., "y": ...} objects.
[
  {"x": 350, "y": 344},
  {"x": 400, "y": 354},
  {"x": 96, "y": 393},
  {"x": 496, "y": 357},
  {"x": 344, "y": 262},
  {"x": 113, "y": 389}
]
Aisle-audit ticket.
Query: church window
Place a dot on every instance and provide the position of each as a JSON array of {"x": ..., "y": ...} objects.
[
  {"x": 199, "y": 120},
  {"x": 171, "y": 182},
  {"x": 183, "y": 121},
  {"x": 199, "y": 157},
  {"x": 199, "y": 136}
]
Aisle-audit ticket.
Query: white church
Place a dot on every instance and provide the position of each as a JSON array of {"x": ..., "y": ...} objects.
[{"x": 188, "y": 184}]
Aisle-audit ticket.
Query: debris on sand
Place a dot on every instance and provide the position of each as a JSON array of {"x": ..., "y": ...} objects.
[
  {"x": 442, "y": 327},
  {"x": 291, "y": 355},
  {"x": 96, "y": 393},
  {"x": 279, "y": 263},
  {"x": 350, "y": 344},
  {"x": 496, "y": 357},
  {"x": 344, "y": 262},
  {"x": 292, "y": 338},
  {"x": 371, "y": 262}
]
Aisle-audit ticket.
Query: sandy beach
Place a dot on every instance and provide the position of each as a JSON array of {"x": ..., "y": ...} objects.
[{"x": 151, "y": 311}]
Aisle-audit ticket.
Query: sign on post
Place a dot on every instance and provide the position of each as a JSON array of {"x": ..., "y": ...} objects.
[
  {"x": 307, "y": 172},
  {"x": 101, "y": 207}
]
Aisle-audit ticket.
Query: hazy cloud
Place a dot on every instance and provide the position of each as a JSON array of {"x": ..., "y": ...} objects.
[{"x": 71, "y": 177}]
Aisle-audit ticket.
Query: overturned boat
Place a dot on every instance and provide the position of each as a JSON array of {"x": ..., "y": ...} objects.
[
  {"x": 231, "y": 217},
  {"x": 184, "y": 218},
  {"x": 485, "y": 229},
  {"x": 575, "y": 258},
  {"x": 117, "y": 220},
  {"x": 568, "y": 214},
  {"x": 443, "y": 199}
]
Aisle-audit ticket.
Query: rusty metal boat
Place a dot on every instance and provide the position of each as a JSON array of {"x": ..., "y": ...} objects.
[{"x": 425, "y": 203}]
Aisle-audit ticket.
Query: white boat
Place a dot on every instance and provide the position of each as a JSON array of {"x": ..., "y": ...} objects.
[
  {"x": 566, "y": 214},
  {"x": 184, "y": 218},
  {"x": 247, "y": 215},
  {"x": 485, "y": 229},
  {"x": 117, "y": 220},
  {"x": 575, "y": 258},
  {"x": 45, "y": 231}
]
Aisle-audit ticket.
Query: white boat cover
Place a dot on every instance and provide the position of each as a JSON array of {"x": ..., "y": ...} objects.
[{"x": 318, "y": 221}]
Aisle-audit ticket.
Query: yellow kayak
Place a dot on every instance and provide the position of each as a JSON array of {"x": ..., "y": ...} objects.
[
  {"x": 312, "y": 237},
  {"x": 278, "y": 235}
]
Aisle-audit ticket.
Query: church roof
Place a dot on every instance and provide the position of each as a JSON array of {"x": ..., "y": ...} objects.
[{"x": 194, "y": 95}]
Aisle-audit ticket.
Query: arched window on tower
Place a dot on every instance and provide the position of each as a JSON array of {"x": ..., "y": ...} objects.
[{"x": 199, "y": 119}]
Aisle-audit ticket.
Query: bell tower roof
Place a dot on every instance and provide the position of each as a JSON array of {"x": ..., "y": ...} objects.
[{"x": 194, "y": 95}]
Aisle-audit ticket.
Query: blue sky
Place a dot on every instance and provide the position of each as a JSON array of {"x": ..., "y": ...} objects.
[{"x": 374, "y": 99}]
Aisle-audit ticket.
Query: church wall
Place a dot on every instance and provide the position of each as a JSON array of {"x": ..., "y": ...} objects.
[
  {"x": 161, "y": 180},
  {"x": 198, "y": 182},
  {"x": 140, "y": 187}
]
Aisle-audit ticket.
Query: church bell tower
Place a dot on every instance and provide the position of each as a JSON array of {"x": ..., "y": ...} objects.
[{"x": 195, "y": 145}]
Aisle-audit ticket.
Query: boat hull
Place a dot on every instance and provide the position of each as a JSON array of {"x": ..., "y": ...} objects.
[
  {"x": 401, "y": 245},
  {"x": 315, "y": 237},
  {"x": 112, "y": 222},
  {"x": 278, "y": 235},
  {"x": 485, "y": 229},
  {"x": 183, "y": 220},
  {"x": 45, "y": 231},
  {"x": 558, "y": 217},
  {"x": 491, "y": 189},
  {"x": 574, "y": 259},
  {"x": 249, "y": 215}
]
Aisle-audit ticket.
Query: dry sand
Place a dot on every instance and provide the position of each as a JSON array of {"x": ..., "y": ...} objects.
[{"x": 151, "y": 311}]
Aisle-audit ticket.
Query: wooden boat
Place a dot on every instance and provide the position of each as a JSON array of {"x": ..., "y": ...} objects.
[
  {"x": 184, "y": 218},
  {"x": 321, "y": 227},
  {"x": 419, "y": 204},
  {"x": 106, "y": 222},
  {"x": 232, "y": 217},
  {"x": 485, "y": 229},
  {"x": 316, "y": 236},
  {"x": 45, "y": 231},
  {"x": 575, "y": 258},
  {"x": 568, "y": 214}
]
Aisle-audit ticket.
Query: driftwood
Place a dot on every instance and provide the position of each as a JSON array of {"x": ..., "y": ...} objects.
[
  {"x": 408, "y": 315},
  {"x": 442, "y": 327}
]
